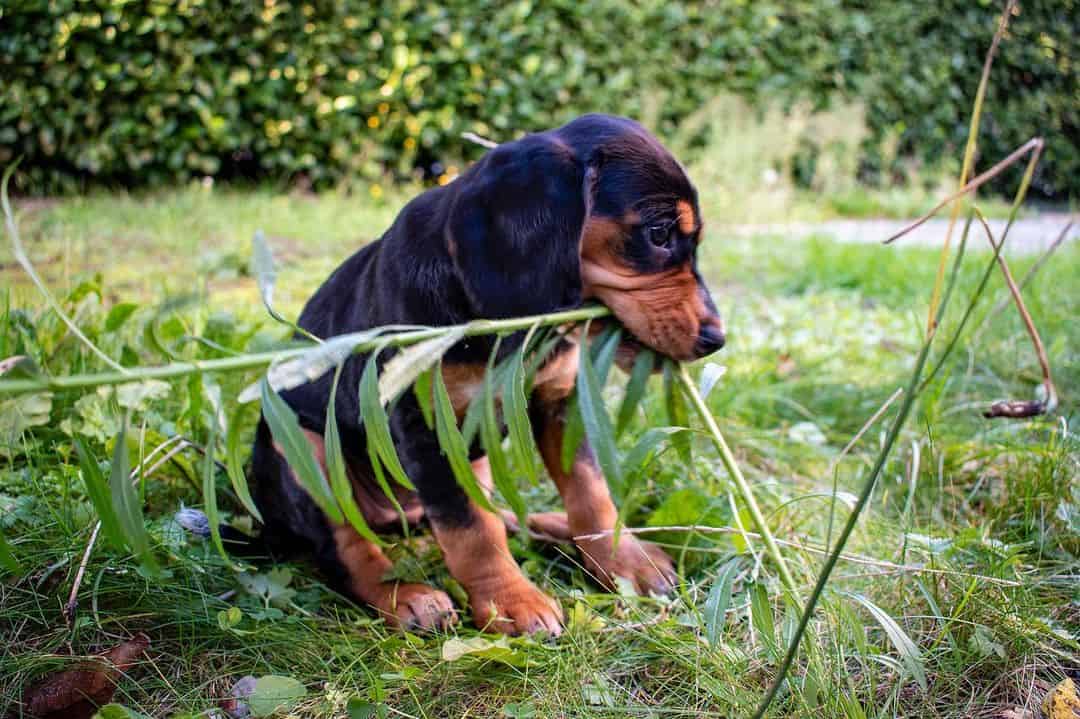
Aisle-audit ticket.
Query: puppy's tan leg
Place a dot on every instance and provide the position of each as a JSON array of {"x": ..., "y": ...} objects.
[
  {"x": 362, "y": 565},
  {"x": 590, "y": 511},
  {"x": 477, "y": 555}
]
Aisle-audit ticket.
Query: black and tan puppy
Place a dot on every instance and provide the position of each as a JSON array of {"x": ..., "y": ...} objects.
[{"x": 596, "y": 209}]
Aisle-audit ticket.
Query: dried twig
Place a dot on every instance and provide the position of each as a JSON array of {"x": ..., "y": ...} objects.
[
  {"x": 1024, "y": 281},
  {"x": 1035, "y": 143},
  {"x": 1016, "y": 408}
]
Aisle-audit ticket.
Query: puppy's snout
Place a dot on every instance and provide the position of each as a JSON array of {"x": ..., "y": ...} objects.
[{"x": 710, "y": 338}]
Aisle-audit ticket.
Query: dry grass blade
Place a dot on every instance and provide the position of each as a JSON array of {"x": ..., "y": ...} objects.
[
  {"x": 1034, "y": 144},
  {"x": 24, "y": 262},
  {"x": 1024, "y": 281},
  {"x": 1024, "y": 408}
]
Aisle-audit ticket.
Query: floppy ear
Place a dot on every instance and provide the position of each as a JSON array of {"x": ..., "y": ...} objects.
[{"x": 515, "y": 228}]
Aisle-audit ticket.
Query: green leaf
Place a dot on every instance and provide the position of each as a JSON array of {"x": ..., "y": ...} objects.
[
  {"x": 597, "y": 423},
  {"x": 377, "y": 423},
  {"x": 422, "y": 388},
  {"x": 453, "y": 445},
  {"x": 761, "y": 615},
  {"x": 127, "y": 503},
  {"x": 603, "y": 351},
  {"x": 209, "y": 488},
  {"x": 7, "y": 558},
  {"x": 274, "y": 693},
  {"x": 285, "y": 428},
  {"x": 118, "y": 711},
  {"x": 910, "y": 656},
  {"x": 516, "y": 413},
  {"x": 645, "y": 450},
  {"x": 97, "y": 489},
  {"x": 635, "y": 389},
  {"x": 491, "y": 438},
  {"x": 335, "y": 468},
  {"x": 716, "y": 604},
  {"x": 401, "y": 371},
  {"x": 118, "y": 315},
  {"x": 234, "y": 464},
  {"x": 573, "y": 431},
  {"x": 498, "y": 650},
  {"x": 678, "y": 415}
]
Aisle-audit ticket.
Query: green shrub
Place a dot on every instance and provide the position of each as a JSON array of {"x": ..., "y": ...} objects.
[{"x": 148, "y": 92}]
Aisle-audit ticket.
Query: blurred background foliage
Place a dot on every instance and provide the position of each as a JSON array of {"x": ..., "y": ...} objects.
[{"x": 137, "y": 93}]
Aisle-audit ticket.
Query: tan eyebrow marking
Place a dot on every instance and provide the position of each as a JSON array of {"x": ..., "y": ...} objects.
[{"x": 687, "y": 221}]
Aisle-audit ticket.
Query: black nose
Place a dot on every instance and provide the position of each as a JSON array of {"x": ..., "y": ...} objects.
[{"x": 710, "y": 338}]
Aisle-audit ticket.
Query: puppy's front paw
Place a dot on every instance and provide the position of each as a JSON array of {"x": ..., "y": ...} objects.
[
  {"x": 646, "y": 566},
  {"x": 516, "y": 607},
  {"x": 416, "y": 607}
]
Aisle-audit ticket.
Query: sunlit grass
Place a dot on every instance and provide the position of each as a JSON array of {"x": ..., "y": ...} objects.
[{"x": 820, "y": 335}]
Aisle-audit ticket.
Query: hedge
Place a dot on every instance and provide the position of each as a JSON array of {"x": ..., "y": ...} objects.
[{"x": 150, "y": 92}]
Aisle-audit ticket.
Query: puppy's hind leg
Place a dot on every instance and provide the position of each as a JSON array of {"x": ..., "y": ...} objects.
[{"x": 352, "y": 563}]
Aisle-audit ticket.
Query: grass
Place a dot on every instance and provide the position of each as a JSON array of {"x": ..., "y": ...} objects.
[{"x": 982, "y": 517}]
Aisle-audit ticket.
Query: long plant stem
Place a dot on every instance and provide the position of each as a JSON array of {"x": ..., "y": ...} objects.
[
  {"x": 736, "y": 474},
  {"x": 969, "y": 159},
  {"x": 895, "y": 428},
  {"x": 263, "y": 359}
]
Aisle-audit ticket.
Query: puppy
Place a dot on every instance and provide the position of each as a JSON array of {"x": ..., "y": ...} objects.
[{"x": 597, "y": 209}]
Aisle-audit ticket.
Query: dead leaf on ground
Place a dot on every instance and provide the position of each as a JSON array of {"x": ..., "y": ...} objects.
[
  {"x": 236, "y": 705},
  {"x": 72, "y": 692},
  {"x": 1062, "y": 702}
]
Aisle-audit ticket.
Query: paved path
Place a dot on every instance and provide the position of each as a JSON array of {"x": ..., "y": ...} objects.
[{"x": 1029, "y": 235}]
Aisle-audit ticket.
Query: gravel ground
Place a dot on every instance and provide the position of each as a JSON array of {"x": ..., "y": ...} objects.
[{"x": 1029, "y": 235}]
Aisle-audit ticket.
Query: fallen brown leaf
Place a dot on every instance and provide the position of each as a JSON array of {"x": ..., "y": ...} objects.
[
  {"x": 1062, "y": 702},
  {"x": 68, "y": 693}
]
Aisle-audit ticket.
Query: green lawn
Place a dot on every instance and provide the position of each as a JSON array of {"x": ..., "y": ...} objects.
[{"x": 958, "y": 596}]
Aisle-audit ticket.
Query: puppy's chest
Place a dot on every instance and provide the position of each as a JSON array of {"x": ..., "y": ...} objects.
[{"x": 554, "y": 380}]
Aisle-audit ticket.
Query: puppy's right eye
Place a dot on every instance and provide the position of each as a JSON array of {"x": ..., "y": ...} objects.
[{"x": 660, "y": 235}]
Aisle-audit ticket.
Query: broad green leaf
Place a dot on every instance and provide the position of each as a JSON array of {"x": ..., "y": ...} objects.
[
  {"x": 678, "y": 416},
  {"x": 380, "y": 479},
  {"x": 274, "y": 694},
  {"x": 118, "y": 711},
  {"x": 285, "y": 428},
  {"x": 573, "y": 431},
  {"x": 716, "y": 604},
  {"x": 761, "y": 615},
  {"x": 453, "y": 444},
  {"x": 603, "y": 351},
  {"x": 910, "y": 656},
  {"x": 336, "y": 471},
  {"x": 126, "y": 501},
  {"x": 97, "y": 489},
  {"x": 377, "y": 423},
  {"x": 234, "y": 464},
  {"x": 516, "y": 413},
  {"x": 7, "y": 559},
  {"x": 422, "y": 389},
  {"x": 645, "y": 450},
  {"x": 597, "y": 423},
  {"x": 635, "y": 389},
  {"x": 491, "y": 437},
  {"x": 401, "y": 371},
  {"x": 118, "y": 315}
]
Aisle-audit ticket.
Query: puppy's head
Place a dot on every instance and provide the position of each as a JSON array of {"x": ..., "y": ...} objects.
[{"x": 598, "y": 208}]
